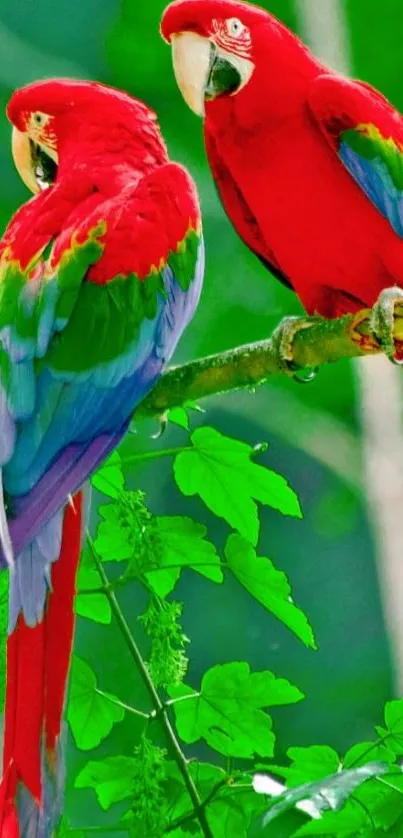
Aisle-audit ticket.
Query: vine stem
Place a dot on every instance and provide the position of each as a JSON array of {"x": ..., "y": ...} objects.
[
  {"x": 148, "y": 455},
  {"x": 122, "y": 704},
  {"x": 122, "y": 580},
  {"x": 159, "y": 707},
  {"x": 184, "y": 819}
]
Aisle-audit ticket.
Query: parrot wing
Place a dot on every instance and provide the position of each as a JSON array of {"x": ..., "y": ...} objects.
[
  {"x": 366, "y": 133},
  {"x": 238, "y": 210},
  {"x": 85, "y": 330}
]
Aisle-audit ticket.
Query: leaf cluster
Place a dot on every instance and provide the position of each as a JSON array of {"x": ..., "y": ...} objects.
[{"x": 229, "y": 709}]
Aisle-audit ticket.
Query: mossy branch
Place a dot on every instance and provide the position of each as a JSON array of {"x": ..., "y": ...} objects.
[{"x": 324, "y": 342}]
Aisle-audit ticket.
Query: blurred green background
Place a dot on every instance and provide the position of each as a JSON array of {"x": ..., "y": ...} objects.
[{"x": 313, "y": 431}]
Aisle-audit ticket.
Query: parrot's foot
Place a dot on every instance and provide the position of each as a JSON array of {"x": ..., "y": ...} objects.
[
  {"x": 382, "y": 323},
  {"x": 283, "y": 339},
  {"x": 163, "y": 424}
]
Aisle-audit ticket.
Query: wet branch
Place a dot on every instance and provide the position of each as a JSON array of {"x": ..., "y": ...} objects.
[{"x": 249, "y": 366}]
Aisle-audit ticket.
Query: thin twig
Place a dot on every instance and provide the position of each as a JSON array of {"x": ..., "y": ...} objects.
[
  {"x": 172, "y": 741},
  {"x": 376, "y": 744},
  {"x": 147, "y": 455},
  {"x": 184, "y": 819},
  {"x": 122, "y": 704}
]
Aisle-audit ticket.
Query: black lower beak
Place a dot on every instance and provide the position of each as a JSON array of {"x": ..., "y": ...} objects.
[
  {"x": 44, "y": 167},
  {"x": 223, "y": 77}
]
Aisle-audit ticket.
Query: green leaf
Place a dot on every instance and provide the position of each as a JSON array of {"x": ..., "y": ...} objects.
[
  {"x": 111, "y": 778},
  {"x": 92, "y": 606},
  {"x": 229, "y": 813},
  {"x": 221, "y": 470},
  {"x": 345, "y": 824},
  {"x": 91, "y": 715},
  {"x": 112, "y": 542},
  {"x": 182, "y": 542},
  {"x": 316, "y": 762},
  {"x": 227, "y": 712},
  {"x": 128, "y": 532},
  {"x": 384, "y": 800},
  {"x": 362, "y": 752},
  {"x": 268, "y": 585},
  {"x": 205, "y": 776},
  {"x": 109, "y": 478},
  {"x": 179, "y": 416},
  {"x": 177, "y": 540},
  {"x": 394, "y": 721},
  {"x": 227, "y": 818},
  {"x": 329, "y": 793}
]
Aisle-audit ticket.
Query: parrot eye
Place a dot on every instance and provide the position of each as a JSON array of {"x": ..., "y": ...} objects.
[
  {"x": 39, "y": 119},
  {"x": 235, "y": 27}
]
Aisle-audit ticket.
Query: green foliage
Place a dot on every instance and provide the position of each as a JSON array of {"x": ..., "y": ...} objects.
[
  {"x": 94, "y": 606},
  {"x": 156, "y": 548},
  {"x": 309, "y": 764},
  {"x": 183, "y": 544},
  {"x": 227, "y": 712},
  {"x": 230, "y": 710},
  {"x": 360, "y": 794},
  {"x": 112, "y": 778},
  {"x": 91, "y": 714},
  {"x": 329, "y": 793},
  {"x": 167, "y": 662},
  {"x": 109, "y": 478},
  {"x": 146, "y": 817},
  {"x": 269, "y": 586},
  {"x": 221, "y": 470}
]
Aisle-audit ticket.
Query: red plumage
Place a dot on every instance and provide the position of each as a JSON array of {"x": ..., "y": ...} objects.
[
  {"x": 38, "y": 661},
  {"x": 100, "y": 273},
  {"x": 274, "y": 150}
]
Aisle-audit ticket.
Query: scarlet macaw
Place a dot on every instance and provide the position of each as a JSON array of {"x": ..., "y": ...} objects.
[
  {"x": 308, "y": 164},
  {"x": 100, "y": 272}
]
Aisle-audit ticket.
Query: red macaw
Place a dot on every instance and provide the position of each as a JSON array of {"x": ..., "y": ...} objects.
[
  {"x": 308, "y": 164},
  {"x": 99, "y": 274}
]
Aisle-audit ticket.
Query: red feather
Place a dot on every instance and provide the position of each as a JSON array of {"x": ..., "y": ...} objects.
[
  {"x": 281, "y": 181},
  {"x": 38, "y": 661}
]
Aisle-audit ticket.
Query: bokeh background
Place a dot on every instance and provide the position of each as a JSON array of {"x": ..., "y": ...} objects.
[{"x": 339, "y": 440}]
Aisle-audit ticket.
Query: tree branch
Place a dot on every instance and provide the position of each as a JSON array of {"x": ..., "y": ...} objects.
[{"x": 326, "y": 341}]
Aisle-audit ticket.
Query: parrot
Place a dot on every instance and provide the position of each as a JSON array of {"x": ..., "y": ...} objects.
[
  {"x": 100, "y": 273},
  {"x": 308, "y": 163}
]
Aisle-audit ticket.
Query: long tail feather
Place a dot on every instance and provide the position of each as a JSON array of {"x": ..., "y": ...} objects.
[
  {"x": 5, "y": 539},
  {"x": 38, "y": 660}
]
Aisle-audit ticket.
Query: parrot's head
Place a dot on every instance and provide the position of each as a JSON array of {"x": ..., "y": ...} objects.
[
  {"x": 222, "y": 48},
  {"x": 60, "y": 119}
]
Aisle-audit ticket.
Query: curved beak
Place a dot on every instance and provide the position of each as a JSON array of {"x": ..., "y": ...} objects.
[
  {"x": 203, "y": 71},
  {"x": 192, "y": 57},
  {"x": 22, "y": 154},
  {"x": 35, "y": 162}
]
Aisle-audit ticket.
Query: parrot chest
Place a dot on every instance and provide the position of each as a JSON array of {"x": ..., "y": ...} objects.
[{"x": 316, "y": 224}]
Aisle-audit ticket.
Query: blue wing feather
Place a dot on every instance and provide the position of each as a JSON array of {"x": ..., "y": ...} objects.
[
  {"x": 374, "y": 178},
  {"x": 366, "y": 133},
  {"x": 60, "y": 425}
]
